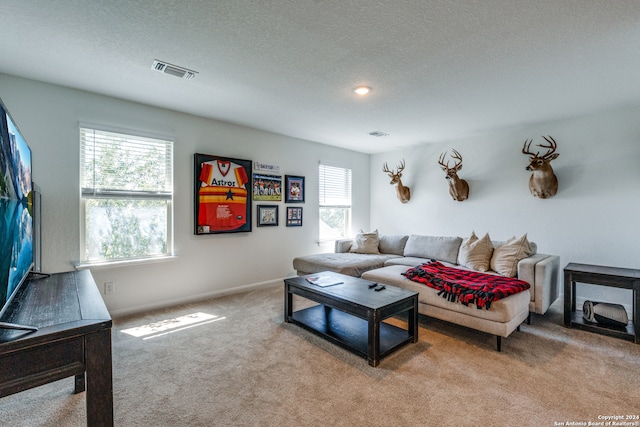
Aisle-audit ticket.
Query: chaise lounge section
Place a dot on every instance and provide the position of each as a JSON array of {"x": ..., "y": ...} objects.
[{"x": 352, "y": 260}]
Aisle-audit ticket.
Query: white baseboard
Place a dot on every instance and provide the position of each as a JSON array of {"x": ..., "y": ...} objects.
[{"x": 194, "y": 298}]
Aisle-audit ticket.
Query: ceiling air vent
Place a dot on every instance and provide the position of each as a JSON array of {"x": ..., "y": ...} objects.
[
  {"x": 378, "y": 133},
  {"x": 174, "y": 70}
]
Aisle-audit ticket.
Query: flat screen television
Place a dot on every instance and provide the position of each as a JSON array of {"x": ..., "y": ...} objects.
[{"x": 16, "y": 214}]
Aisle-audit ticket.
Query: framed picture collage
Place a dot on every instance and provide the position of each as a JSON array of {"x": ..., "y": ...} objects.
[{"x": 224, "y": 189}]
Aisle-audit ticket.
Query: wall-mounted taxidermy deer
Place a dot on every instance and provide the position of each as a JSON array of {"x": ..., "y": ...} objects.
[
  {"x": 543, "y": 182},
  {"x": 403, "y": 193},
  {"x": 458, "y": 188}
]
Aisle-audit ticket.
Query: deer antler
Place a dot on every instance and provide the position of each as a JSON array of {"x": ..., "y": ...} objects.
[
  {"x": 441, "y": 160},
  {"x": 526, "y": 146},
  {"x": 399, "y": 169},
  {"x": 552, "y": 147},
  {"x": 457, "y": 156}
]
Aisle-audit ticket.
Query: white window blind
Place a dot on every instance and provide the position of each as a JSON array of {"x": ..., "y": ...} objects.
[
  {"x": 120, "y": 164},
  {"x": 127, "y": 189},
  {"x": 335, "y": 186}
]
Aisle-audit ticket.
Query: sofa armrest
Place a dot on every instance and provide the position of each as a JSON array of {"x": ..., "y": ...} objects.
[
  {"x": 342, "y": 245},
  {"x": 541, "y": 272}
]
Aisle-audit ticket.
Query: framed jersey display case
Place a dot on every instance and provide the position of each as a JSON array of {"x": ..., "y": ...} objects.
[{"x": 222, "y": 194}]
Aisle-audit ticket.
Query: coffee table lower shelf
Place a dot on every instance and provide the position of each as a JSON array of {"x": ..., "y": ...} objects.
[{"x": 348, "y": 331}]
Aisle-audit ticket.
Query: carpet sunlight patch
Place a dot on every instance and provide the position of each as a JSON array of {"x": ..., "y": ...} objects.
[{"x": 168, "y": 326}]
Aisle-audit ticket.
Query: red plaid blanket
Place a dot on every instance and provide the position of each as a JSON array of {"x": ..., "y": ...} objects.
[{"x": 465, "y": 286}]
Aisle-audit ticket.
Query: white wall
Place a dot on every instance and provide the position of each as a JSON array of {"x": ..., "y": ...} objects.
[
  {"x": 593, "y": 218},
  {"x": 48, "y": 117}
]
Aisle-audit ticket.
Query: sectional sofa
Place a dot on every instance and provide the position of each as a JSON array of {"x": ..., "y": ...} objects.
[{"x": 384, "y": 259}]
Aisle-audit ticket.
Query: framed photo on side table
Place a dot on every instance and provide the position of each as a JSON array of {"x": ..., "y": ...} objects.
[
  {"x": 294, "y": 187},
  {"x": 294, "y": 217},
  {"x": 267, "y": 215}
]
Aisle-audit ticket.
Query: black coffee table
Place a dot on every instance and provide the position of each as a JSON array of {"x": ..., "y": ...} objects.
[{"x": 351, "y": 314}]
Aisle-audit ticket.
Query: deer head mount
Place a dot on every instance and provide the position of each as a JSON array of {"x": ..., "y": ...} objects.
[
  {"x": 543, "y": 182},
  {"x": 458, "y": 188},
  {"x": 403, "y": 193}
]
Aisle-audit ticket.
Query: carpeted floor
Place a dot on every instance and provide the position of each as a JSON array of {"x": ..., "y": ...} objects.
[{"x": 239, "y": 364}]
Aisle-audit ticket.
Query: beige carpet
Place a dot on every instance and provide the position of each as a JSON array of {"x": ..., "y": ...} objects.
[{"x": 245, "y": 366}]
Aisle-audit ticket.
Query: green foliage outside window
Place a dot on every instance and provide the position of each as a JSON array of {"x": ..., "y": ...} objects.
[
  {"x": 121, "y": 229},
  {"x": 333, "y": 222},
  {"x": 127, "y": 190}
]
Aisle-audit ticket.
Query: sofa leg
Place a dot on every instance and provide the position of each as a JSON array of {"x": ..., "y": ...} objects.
[
  {"x": 518, "y": 328},
  {"x": 529, "y": 319},
  {"x": 498, "y": 342}
]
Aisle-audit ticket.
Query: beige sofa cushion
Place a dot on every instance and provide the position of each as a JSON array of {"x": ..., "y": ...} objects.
[
  {"x": 365, "y": 243},
  {"x": 476, "y": 253},
  {"x": 502, "y": 310},
  {"x": 433, "y": 247},
  {"x": 506, "y": 257}
]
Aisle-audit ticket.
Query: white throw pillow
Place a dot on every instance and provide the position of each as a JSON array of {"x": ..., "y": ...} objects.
[
  {"x": 476, "y": 253},
  {"x": 507, "y": 256},
  {"x": 365, "y": 243}
]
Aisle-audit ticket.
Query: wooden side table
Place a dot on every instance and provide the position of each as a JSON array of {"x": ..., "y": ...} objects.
[{"x": 626, "y": 278}]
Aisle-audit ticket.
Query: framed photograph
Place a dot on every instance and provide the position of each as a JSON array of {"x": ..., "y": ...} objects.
[
  {"x": 267, "y": 215},
  {"x": 267, "y": 188},
  {"x": 222, "y": 198},
  {"x": 294, "y": 217},
  {"x": 294, "y": 186}
]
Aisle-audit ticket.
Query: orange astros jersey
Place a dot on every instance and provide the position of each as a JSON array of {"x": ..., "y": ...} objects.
[{"x": 222, "y": 195}]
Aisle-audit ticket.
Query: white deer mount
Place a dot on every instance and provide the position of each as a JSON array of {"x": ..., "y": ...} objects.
[
  {"x": 458, "y": 188},
  {"x": 403, "y": 193},
  {"x": 543, "y": 182}
]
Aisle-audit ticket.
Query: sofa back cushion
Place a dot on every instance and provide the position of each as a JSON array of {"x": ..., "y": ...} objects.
[
  {"x": 392, "y": 244},
  {"x": 433, "y": 247},
  {"x": 342, "y": 245}
]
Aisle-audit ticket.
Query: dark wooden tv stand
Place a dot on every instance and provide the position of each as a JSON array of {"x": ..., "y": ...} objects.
[{"x": 73, "y": 338}]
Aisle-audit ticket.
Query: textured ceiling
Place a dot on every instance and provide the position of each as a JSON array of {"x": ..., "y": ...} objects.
[{"x": 440, "y": 69}]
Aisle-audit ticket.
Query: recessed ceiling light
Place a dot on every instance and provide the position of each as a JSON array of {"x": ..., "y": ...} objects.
[{"x": 362, "y": 90}]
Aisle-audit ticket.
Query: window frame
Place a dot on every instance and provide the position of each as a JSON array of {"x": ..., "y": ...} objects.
[
  {"x": 91, "y": 193},
  {"x": 335, "y": 199}
]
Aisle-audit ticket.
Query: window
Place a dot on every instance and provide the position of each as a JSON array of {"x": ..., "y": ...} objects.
[
  {"x": 335, "y": 202},
  {"x": 126, "y": 194}
]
